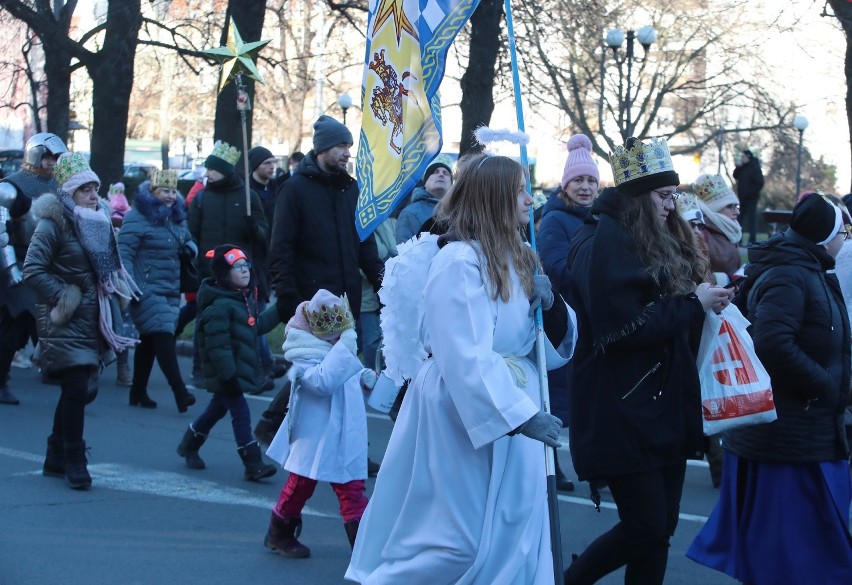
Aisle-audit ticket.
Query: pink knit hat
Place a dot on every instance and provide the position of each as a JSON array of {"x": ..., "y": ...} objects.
[
  {"x": 299, "y": 320},
  {"x": 580, "y": 161}
]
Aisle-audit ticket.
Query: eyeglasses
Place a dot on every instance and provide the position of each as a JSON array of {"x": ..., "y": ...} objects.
[
  {"x": 667, "y": 197},
  {"x": 846, "y": 234},
  {"x": 697, "y": 226},
  {"x": 242, "y": 266}
]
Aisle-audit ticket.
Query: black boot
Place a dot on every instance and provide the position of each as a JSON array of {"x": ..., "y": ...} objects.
[
  {"x": 563, "y": 484},
  {"x": 6, "y": 396},
  {"x": 281, "y": 536},
  {"x": 253, "y": 461},
  {"x": 54, "y": 461},
  {"x": 184, "y": 399},
  {"x": 373, "y": 468},
  {"x": 139, "y": 397},
  {"x": 351, "y": 531},
  {"x": 76, "y": 472},
  {"x": 189, "y": 446}
]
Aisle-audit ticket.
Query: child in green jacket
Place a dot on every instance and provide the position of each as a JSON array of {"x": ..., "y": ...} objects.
[{"x": 229, "y": 325}]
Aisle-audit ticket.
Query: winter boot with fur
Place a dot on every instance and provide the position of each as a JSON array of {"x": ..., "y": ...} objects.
[
  {"x": 54, "y": 461},
  {"x": 123, "y": 376},
  {"x": 76, "y": 472},
  {"x": 189, "y": 446},
  {"x": 253, "y": 461},
  {"x": 282, "y": 537}
]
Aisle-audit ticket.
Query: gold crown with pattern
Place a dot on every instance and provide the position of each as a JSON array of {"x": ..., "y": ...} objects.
[
  {"x": 68, "y": 165},
  {"x": 166, "y": 178},
  {"x": 711, "y": 187},
  {"x": 640, "y": 159},
  {"x": 330, "y": 319},
  {"x": 229, "y": 154}
]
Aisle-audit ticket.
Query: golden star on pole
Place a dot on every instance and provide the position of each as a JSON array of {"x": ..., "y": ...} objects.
[{"x": 236, "y": 56}]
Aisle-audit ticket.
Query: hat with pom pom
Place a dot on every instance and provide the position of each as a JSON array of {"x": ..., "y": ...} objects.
[{"x": 580, "y": 160}]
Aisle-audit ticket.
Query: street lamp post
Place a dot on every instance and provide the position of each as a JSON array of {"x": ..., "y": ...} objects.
[
  {"x": 800, "y": 123},
  {"x": 614, "y": 39},
  {"x": 344, "y": 101}
]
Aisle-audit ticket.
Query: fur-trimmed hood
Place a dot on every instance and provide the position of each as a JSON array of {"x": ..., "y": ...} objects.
[
  {"x": 155, "y": 210},
  {"x": 48, "y": 206}
]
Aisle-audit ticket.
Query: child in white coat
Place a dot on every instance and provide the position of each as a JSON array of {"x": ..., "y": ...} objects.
[{"x": 324, "y": 436}]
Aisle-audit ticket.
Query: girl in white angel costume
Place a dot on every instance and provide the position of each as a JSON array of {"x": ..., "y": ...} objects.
[{"x": 461, "y": 496}]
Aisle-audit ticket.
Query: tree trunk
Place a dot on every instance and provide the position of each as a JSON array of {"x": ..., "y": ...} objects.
[
  {"x": 477, "y": 83},
  {"x": 57, "y": 71},
  {"x": 111, "y": 70},
  {"x": 843, "y": 12},
  {"x": 248, "y": 17}
]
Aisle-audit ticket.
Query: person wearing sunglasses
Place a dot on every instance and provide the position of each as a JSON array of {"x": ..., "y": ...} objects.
[{"x": 640, "y": 292}]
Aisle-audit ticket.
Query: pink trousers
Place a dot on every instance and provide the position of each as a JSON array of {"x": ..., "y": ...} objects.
[{"x": 298, "y": 490}]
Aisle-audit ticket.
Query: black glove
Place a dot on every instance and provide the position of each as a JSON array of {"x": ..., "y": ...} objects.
[
  {"x": 251, "y": 227},
  {"x": 232, "y": 385},
  {"x": 542, "y": 293},
  {"x": 542, "y": 427},
  {"x": 286, "y": 307}
]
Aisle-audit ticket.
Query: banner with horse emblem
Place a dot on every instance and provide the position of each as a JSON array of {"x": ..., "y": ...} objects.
[{"x": 407, "y": 44}]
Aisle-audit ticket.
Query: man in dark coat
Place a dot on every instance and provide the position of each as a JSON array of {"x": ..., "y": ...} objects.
[
  {"x": 314, "y": 241},
  {"x": 749, "y": 180}
]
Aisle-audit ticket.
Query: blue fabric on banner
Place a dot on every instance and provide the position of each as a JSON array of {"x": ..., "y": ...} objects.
[{"x": 780, "y": 524}]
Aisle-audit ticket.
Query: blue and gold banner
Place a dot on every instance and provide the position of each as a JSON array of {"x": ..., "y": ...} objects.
[{"x": 407, "y": 43}]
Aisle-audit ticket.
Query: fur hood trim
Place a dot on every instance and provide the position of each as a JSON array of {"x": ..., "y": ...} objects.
[
  {"x": 155, "y": 210},
  {"x": 48, "y": 206}
]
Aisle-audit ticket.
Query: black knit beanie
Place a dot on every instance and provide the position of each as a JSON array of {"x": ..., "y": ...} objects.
[
  {"x": 257, "y": 155},
  {"x": 816, "y": 219}
]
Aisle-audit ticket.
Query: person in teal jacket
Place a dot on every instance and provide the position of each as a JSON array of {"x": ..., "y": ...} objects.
[{"x": 228, "y": 328}]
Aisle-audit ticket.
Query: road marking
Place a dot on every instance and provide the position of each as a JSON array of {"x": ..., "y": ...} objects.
[{"x": 124, "y": 478}]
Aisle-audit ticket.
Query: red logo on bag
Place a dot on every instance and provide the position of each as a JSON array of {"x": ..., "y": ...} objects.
[{"x": 730, "y": 362}]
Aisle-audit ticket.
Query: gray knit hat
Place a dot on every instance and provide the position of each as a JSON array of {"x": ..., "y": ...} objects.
[{"x": 328, "y": 133}]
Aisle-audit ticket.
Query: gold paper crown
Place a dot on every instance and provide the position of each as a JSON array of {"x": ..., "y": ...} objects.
[
  {"x": 687, "y": 206},
  {"x": 229, "y": 154},
  {"x": 641, "y": 159},
  {"x": 164, "y": 178},
  {"x": 68, "y": 165},
  {"x": 711, "y": 187},
  {"x": 330, "y": 319}
]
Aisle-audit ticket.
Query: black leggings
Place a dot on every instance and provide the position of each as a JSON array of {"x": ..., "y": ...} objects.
[
  {"x": 161, "y": 346},
  {"x": 648, "y": 507},
  {"x": 70, "y": 410}
]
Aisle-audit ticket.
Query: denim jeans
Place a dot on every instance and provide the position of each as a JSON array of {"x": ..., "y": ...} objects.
[
  {"x": 220, "y": 405},
  {"x": 369, "y": 337}
]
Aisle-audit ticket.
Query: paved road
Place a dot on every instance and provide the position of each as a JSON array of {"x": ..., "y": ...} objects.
[{"x": 150, "y": 520}]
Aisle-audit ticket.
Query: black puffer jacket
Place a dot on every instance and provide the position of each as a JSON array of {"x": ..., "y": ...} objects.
[
  {"x": 67, "y": 312},
  {"x": 749, "y": 178},
  {"x": 314, "y": 241},
  {"x": 801, "y": 335}
]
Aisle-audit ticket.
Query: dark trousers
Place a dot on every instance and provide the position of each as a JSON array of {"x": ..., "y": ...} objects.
[
  {"x": 162, "y": 347},
  {"x": 648, "y": 506},
  {"x": 748, "y": 219},
  {"x": 220, "y": 405},
  {"x": 68, "y": 416},
  {"x": 14, "y": 334}
]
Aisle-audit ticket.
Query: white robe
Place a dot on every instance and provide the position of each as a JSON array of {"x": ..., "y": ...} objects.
[
  {"x": 457, "y": 500},
  {"x": 324, "y": 435}
]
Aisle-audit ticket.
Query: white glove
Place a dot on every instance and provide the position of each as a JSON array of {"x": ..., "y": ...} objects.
[{"x": 369, "y": 378}]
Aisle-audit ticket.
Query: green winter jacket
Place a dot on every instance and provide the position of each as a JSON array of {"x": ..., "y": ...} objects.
[{"x": 227, "y": 342}]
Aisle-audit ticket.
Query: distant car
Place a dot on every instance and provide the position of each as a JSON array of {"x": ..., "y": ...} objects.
[
  {"x": 11, "y": 160},
  {"x": 186, "y": 179}
]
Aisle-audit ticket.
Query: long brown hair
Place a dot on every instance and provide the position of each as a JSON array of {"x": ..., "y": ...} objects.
[
  {"x": 481, "y": 206},
  {"x": 667, "y": 250}
]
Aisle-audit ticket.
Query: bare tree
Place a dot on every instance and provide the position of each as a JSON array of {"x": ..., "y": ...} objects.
[{"x": 842, "y": 11}]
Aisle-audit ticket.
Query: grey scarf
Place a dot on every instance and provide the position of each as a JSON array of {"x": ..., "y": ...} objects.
[{"x": 96, "y": 236}]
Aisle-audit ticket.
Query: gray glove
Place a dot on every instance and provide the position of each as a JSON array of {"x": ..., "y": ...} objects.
[
  {"x": 542, "y": 293},
  {"x": 542, "y": 427}
]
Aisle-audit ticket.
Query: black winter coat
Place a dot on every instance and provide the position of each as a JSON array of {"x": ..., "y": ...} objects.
[
  {"x": 217, "y": 216},
  {"x": 801, "y": 334},
  {"x": 635, "y": 400},
  {"x": 749, "y": 180},
  {"x": 314, "y": 241}
]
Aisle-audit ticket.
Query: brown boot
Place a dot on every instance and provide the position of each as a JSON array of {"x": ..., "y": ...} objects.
[{"x": 281, "y": 537}]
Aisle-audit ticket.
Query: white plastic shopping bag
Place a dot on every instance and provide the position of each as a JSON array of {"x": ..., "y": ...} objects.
[{"x": 735, "y": 387}]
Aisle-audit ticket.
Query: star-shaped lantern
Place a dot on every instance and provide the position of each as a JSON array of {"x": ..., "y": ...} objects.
[{"x": 236, "y": 56}]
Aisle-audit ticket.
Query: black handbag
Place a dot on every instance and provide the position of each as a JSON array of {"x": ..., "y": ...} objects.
[{"x": 190, "y": 279}]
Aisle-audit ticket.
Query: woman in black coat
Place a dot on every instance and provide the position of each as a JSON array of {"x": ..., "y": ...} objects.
[
  {"x": 786, "y": 484},
  {"x": 635, "y": 406}
]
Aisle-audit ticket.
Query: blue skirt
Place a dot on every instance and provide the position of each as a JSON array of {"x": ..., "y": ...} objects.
[{"x": 778, "y": 524}]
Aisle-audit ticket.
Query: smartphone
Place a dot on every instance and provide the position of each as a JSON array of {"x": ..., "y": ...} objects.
[{"x": 735, "y": 283}]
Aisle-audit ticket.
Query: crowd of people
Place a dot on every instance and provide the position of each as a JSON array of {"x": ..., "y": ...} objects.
[{"x": 623, "y": 277}]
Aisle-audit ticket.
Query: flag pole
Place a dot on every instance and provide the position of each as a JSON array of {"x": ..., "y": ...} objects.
[
  {"x": 244, "y": 104},
  {"x": 550, "y": 461}
]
